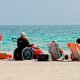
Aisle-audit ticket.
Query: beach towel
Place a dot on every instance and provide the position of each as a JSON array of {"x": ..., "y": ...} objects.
[
  {"x": 6, "y": 56},
  {"x": 54, "y": 51},
  {"x": 75, "y": 49},
  {"x": 50, "y": 51}
]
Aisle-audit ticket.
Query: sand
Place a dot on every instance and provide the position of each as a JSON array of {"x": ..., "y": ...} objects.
[{"x": 35, "y": 70}]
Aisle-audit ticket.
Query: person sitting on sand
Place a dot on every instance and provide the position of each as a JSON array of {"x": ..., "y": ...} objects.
[
  {"x": 75, "y": 50},
  {"x": 55, "y": 51},
  {"x": 64, "y": 55}
]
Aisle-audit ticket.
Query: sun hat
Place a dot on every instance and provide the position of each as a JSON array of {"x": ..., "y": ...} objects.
[{"x": 23, "y": 33}]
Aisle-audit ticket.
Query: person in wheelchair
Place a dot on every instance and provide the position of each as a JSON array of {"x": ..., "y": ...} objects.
[
  {"x": 23, "y": 41},
  {"x": 25, "y": 50}
]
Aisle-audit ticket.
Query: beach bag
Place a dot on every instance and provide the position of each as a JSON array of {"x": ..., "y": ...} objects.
[{"x": 43, "y": 57}]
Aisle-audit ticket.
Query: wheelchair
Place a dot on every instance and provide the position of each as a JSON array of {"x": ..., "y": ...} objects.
[
  {"x": 26, "y": 54},
  {"x": 26, "y": 51},
  {"x": 23, "y": 50}
]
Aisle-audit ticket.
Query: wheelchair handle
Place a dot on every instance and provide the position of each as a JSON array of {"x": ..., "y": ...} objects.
[{"x": 14, "y": 39}]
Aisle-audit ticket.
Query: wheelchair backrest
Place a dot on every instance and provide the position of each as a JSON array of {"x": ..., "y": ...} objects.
[{"x": 22, "y": 43}]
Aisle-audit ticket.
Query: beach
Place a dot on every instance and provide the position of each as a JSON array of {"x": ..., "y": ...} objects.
[
  {"x": 44, "y": 35},
  {"x": 35, "y": 70},
  {"x": 41, "y": 36}
]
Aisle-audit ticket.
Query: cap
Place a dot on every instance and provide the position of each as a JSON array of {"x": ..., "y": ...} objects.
[{"x": 23, "y": 33}]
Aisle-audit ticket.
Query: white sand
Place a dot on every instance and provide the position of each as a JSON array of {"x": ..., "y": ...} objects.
[{"x": 35, "y": 70}]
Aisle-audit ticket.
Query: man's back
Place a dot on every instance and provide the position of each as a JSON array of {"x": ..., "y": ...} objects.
[{"x": 22, "y": 43}]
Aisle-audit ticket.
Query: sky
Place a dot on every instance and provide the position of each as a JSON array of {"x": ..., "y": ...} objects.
[{"x": 39, "y": 12}]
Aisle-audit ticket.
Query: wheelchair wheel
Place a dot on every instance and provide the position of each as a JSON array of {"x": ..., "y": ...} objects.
[
  {"x": 27, "y": 53},
  {"x": 17, "y": 54}
]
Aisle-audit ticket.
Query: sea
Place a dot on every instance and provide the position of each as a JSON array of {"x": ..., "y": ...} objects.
[{"x": 39, "y": 35}]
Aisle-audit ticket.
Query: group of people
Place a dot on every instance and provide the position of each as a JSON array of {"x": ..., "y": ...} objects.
[
  {"x": 55, "y": 51},
  {"x": 58, "y": 54}
]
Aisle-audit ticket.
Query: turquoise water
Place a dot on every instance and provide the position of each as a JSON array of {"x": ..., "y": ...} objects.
[{"x": 39, "y": 35}]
